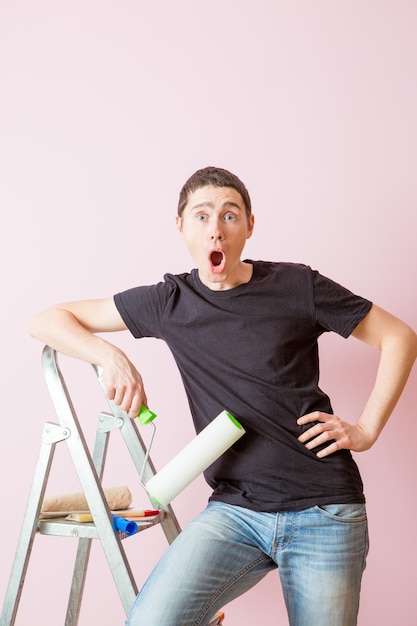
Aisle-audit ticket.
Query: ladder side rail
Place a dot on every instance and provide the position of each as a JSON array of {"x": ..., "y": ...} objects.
[
  {"x": 131, "y": 435},
  {"x": 84, "y": 544},
  {"x": 134, "y": 443},
  {"x": 29, "y": 528},
  {"x": 89, "y": 480},
  {"x": 78, "y": 581}
]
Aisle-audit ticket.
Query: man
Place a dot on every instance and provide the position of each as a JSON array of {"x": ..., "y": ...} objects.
[{"x": 244, "y": 336}]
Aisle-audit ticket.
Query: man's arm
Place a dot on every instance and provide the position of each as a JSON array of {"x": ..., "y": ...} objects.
[
  {"x": 71, "y": 327},
  {"x": 398, "y": 345}
]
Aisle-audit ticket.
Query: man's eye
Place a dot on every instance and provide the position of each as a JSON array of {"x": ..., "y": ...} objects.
[
  {"x": 229, "y": 217},
  {"x": 201, "y": 217}
]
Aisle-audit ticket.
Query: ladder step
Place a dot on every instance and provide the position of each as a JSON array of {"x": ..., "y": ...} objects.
[{"x": 61, "y": 527}]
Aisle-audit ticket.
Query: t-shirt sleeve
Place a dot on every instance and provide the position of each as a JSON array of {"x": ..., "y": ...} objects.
[
  {"x": 142, "y": 309},
  {"x": 336, "y": 308}
]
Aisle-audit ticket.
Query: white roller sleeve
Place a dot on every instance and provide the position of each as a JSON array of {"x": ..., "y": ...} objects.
[{"x": 192, "y": 460}]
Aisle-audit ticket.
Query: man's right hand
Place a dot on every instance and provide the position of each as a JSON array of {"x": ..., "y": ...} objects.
[{"x": 124, "y": 384}]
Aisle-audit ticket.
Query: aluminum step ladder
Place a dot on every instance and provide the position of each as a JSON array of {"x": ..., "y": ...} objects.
[{"x": 90, "y": 470}]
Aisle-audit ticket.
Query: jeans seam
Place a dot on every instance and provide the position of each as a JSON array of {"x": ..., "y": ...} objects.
[{"x": 227, "y": 586}]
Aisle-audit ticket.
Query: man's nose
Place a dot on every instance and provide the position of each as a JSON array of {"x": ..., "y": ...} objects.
[{"x": 216, "y": 230}]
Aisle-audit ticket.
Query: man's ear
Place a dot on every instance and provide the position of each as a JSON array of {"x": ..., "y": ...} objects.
[
  {"x": 251, "y": 221},
  {"x": 178, "y": 223}
]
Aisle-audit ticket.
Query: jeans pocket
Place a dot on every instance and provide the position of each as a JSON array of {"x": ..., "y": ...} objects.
[{"x": 348, "y": 513}]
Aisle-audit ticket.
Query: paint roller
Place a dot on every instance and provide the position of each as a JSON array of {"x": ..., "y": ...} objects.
[{"x": 193, "y": 459}]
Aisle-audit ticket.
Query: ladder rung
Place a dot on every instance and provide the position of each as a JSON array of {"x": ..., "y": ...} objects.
[{"x": 62, "y": 527}]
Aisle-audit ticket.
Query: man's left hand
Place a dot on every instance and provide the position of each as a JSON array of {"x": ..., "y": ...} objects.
[{"x": 330, "y": 428}]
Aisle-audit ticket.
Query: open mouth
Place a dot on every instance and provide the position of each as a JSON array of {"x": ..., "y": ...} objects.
[
  {"x": 216, "y": 258},
  {"x": 217, "y": 261}
]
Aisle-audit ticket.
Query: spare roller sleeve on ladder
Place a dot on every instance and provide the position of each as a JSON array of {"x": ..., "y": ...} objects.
[{"x": 118, "y": 499}]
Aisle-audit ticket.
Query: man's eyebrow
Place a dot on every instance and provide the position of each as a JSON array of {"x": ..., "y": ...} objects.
[{"x": 210, "y": 205}]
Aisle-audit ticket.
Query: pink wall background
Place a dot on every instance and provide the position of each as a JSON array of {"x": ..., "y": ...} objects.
[{"x": 105, "y": 109}]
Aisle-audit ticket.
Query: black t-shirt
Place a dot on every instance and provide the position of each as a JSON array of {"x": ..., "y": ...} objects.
[{"x": 253, "y": 351}]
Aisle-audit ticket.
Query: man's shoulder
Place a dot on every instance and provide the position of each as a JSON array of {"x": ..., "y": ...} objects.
[
  {"x": 279, "y": 267},
  {"x": 173, "y": 281}
]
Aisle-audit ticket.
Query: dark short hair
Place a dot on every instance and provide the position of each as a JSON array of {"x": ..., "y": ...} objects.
[{"x": 217, "y": 177}]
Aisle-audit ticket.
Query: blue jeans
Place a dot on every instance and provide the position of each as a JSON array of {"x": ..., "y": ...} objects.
[{"x": 320, "y": 554}]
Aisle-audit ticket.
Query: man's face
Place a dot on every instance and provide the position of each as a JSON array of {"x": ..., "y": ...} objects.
[{"x": 215, "y": 227}]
